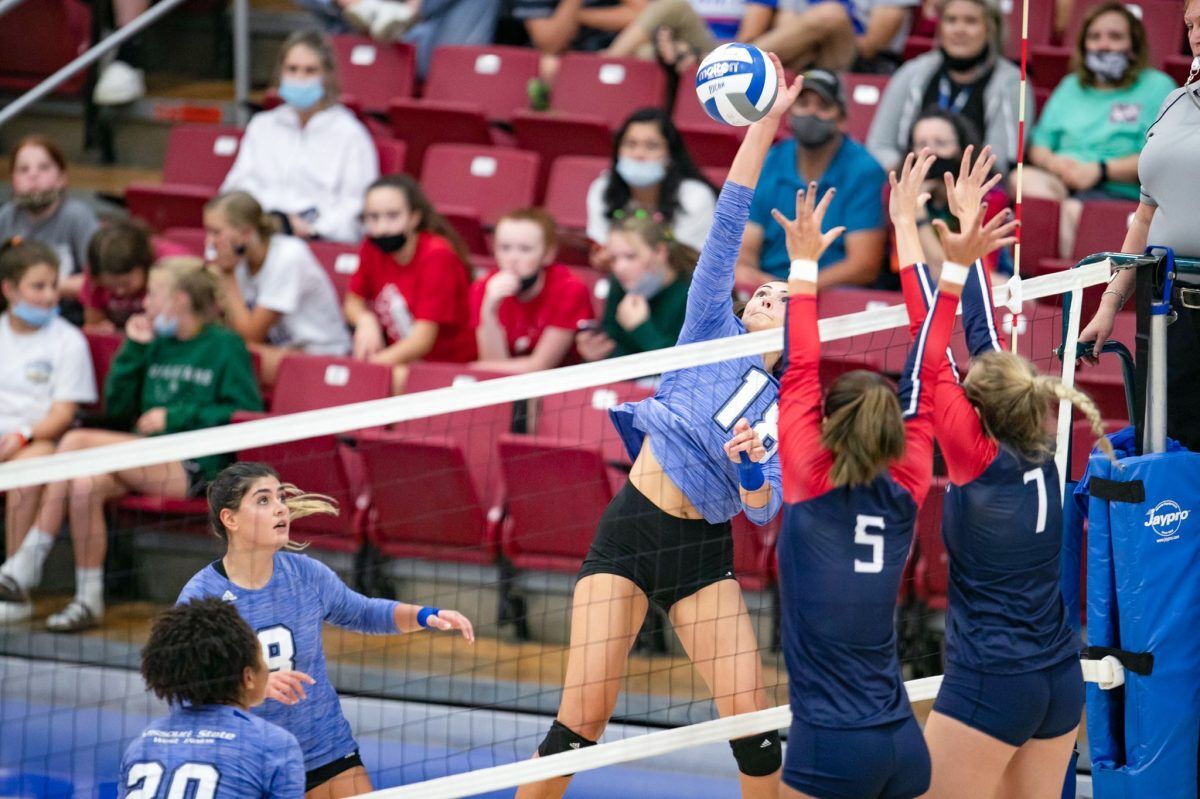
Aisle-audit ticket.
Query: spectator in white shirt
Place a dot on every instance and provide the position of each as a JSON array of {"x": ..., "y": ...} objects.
[
  {"x": 45, "y": 371},
  {"x": 308, "y": 161},
  {"x": 273, "y": 291}
]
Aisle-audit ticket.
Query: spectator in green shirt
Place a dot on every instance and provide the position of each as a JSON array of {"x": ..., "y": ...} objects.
[
  {"x": 1086, "y": 144},
  {"x": 176, "y": 371},
  {"x": 647, "y": 295}
]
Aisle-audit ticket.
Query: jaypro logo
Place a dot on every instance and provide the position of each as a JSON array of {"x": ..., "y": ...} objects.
[{"x": 1165, "y": 519}]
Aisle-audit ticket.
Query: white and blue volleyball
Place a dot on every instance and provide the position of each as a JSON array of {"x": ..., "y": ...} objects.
[{"x": 737, "y": 84}]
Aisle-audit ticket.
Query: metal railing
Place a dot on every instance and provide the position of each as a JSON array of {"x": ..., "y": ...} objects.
[{"x": 241, "y": 56}]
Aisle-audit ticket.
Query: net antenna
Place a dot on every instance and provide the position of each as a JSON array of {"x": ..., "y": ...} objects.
[{"x": 1020, "y": 173}]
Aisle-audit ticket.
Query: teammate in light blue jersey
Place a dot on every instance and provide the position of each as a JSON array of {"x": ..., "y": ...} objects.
[
  {"x": 204, "y": 660},
  {"x": 286, "y": 598},
  {"x": 703, "y": 450}
]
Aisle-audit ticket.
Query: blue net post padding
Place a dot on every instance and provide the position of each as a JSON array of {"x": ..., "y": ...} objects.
[{"x": 1143, "y": 596}]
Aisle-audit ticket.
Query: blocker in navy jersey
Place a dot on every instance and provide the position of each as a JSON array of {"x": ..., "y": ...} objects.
[
  {"x": 287, "y": 615},
  {"x": 212, "y": 752},
  {"x": 693, "y": 414}
]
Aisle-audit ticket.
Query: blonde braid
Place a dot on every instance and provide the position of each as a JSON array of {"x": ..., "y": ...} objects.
[
  {"x": 301, "y": 504},
  {"x": 1054, "y": 387}
]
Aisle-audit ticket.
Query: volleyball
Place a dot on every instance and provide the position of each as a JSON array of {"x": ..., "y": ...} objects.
[{"x": 737, "y": 84}]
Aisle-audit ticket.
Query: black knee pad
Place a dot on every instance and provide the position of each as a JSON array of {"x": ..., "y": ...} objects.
[
  {"x": 758, "y": 755},
  {"x": 562, "y": 738}
]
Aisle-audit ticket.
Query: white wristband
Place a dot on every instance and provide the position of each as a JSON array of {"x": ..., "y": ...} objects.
[
  {"x": 803, "y": 269},
  {"x": 954, "y": 273}
]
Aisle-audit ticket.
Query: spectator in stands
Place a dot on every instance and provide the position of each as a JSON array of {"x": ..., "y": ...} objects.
[
  {"x": 681, "y": 32},
  {"x": 425, "y": 24},
  {"x": 647, "y": 297},
  {"x": 45, "y": 375},
  {"x": 176, "y": 371},
  {"x": 556, "y": 26},
  {"x": 527, "y": 310},
  {"x": 837, "y": 35},
  {"x": 818, "y": 151},
  {"x": 1086, "y": 144},
  {"x": 122, "y": 80},
  {"x": 651, "y": 170},
  {"x": 40, "y": 209},
  {"x": 967, "y": 75},
  {"x": 309, "y": 160},
  {"x": 119, "y": 259},
  {"x": 273, "y": 292},
  {"x": 947, "y": 135},
  {"x": 408, "y": 299}
]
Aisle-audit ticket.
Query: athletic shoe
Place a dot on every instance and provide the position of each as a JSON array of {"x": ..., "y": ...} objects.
[
  {"x": 74, "y": 618},
  {"x": 119, "y": 83},
  {"x": 15, "y": 612},
  {"x": 385, "y": 20},
  {"x": 11, "y": 591}
]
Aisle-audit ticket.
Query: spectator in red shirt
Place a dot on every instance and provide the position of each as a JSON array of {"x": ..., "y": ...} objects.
[
  {"x": 120, "y": 255},
  {"x": 408, "y": 299},
  {"x": 525, "y": 312}
]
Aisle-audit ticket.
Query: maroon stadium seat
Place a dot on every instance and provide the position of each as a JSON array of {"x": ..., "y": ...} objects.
[
  {"x": 306, "y": 382},
  {"x": 493, "y": 78},
  {"x": 373, "y": 73},
  {"x": 197, "y": 159},
  {"x": 490, "y": 180},
  {"x": 555, "y": 135},
  {"x": 340, "y": 262},
  {"x": 863, "y": 93},
  {"x": 566, "y": 194},
  {"x": 62, "y": 31},
  {"x": 611, "y": 88},
  {"x": 422, "y": 123},
  {"x": 392, "y": 154}
]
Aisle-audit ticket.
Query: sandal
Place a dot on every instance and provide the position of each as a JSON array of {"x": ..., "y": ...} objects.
[{"x": 74, "y": 618}]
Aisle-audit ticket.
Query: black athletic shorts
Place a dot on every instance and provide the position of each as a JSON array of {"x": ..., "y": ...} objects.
[
  {"x": 667, "y": 557},
  {"x": 323, "y": 774}
]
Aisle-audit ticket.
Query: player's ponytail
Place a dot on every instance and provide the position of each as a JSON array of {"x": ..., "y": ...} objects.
[
  {"x": 228, "y": 488},
  {"x": 1014, "y": 401},
  {"x": 863, "y": 428}
]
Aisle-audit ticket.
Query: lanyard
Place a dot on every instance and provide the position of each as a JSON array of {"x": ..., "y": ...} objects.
[{"x": 960, "y": 100}]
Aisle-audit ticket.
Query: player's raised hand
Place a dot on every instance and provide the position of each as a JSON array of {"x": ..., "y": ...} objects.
[
  {"x": 970, "y": 244},
  {"x": 907, "y": 197},
  {"x": 287, "y": 687},
  {"x": 446, "y": 620},
  {"x": 746, "y": 440},
  {"x": 965, "y": 193},
  {"x": 803, "y": 234},
  {"x": 786, "y": 95}
]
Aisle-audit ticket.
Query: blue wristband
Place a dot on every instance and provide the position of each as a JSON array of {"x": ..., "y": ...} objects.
[
  {"x": 750, "y": 474},
  {"x": 423, "y": 615}
]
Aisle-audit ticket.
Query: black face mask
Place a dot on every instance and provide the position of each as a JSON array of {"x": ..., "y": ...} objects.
[
  {"x": 527, "y": 282},
  {"x": 390, "y": 244},
  {"x": 964, "y": 64},
  {"x": 37, "y": 201},
  {"x": 941, "y": 166}
]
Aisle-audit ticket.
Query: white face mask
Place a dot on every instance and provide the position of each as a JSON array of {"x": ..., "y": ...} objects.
[
  {"x": 1187, "y": 84},
  {"x": 641, "y": 174}
]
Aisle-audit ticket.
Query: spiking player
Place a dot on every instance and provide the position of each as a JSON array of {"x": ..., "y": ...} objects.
[
  {"x": 665, "y": 538},
  {"x": 287, "y": 597},
  {"x": 204, "y": 660},
  {"x": 855, "y": 470},
  {"x": 1005, "y": 718}
]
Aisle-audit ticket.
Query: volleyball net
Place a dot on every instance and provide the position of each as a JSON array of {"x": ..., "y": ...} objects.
[{"x": 480, "y": 493}]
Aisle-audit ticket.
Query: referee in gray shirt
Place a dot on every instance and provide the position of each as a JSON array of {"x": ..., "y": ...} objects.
[{"x": 1169, "y": 171}]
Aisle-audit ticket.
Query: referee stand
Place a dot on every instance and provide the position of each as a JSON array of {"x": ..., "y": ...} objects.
[{"x": 1143, "y": 555}]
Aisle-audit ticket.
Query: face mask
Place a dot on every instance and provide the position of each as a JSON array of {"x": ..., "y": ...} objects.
[
  {"x": 641, "y": 174},
  {"x": 649, "y": 285},
  {"x": 1108, "y": 66},
  {"x": 811, "y": 131},
  {"x": 302, "y": 94},
  {"x": 390, "y": 244},
  {"x": 1191, "y": 93},
  {"x": 165, "y": 326},
  {"x": 34, "y": 315},
  {"x": 210, "y": 253},
  {"x": 526, "y": 283},
  {"x": 37, "y": 201},
  {"x": 965, "y": 63},
  {"x": 941, "y": 166}
]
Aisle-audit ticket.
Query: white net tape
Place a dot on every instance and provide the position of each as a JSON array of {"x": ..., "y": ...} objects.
[{"x": 345, "y": 418}]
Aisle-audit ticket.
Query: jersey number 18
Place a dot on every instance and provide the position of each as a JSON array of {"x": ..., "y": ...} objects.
[{"x": 753, "y": 383}]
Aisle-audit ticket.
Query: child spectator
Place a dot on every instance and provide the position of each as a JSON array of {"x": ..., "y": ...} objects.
[
  {"x": 41, "y": 210},
  {"x": 119, "y": 259},
  {"x": 820, "y": 153},
  {"x": 176, "y": 371},
  {"x": 274, "y": 293},
  {"x": 309, "y": 160},
  {"x": 647, "y": 298},
  {"x": 45, "y": 375},
  {"x": 1092, "y": 129},
  {"x": 408, "y": 299},
  {"x": 526, "y": 311},
  {"x": 651, "y": 170},
  {"x": 967, "y": 75}
]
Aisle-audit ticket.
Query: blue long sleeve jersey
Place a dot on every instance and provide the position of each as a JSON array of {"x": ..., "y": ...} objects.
[
  {"x": 693, "y": 414},
  {"x": 287, "y": 614},
  {"x": 215, "y": 751}
]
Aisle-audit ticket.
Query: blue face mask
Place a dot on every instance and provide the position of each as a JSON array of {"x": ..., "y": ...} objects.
[
  {"x": 165, "y": 326},
  {"x": 649, "y": 285},
  {"x": 301, "y": 94},
  {"x": 34, "y": 315},
  {"x": 641, "y": 174}
]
